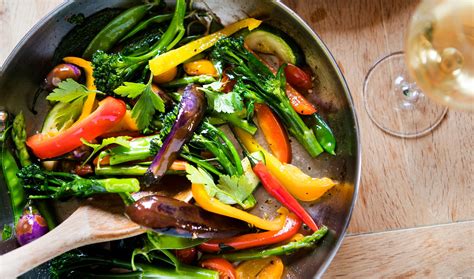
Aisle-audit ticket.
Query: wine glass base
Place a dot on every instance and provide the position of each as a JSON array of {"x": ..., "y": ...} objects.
[{"x": 395, "y": 104}]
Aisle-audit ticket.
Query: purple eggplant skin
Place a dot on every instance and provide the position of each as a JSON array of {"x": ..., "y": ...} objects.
[
  {"x": 60, "y": 73},
  {"x": 30, "y": 226},
  {"x": 173, "y": 216},
  {"x": 191, "y": 112}
]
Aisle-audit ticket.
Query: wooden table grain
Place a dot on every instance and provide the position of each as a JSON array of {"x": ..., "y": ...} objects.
[{"x": 415, "y": 215}]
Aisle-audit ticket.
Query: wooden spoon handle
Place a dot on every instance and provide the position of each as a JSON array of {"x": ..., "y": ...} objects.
[{"x": 65, "y": 237}]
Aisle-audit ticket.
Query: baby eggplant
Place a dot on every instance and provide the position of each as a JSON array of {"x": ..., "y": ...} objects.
[
  {"x": 59, "y": 73},
  {"x": 191, "y": 112},
  {"x": 172, "y": 216},
  {"x": 30, "y": 226}
]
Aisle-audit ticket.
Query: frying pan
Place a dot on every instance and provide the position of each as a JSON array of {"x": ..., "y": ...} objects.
[{"x": 30, "y": 61}]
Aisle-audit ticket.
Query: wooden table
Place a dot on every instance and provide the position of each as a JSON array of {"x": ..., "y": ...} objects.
[{"x": 415, "y": 215}]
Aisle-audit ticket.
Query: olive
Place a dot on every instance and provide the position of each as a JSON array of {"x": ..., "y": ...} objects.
[{"x": 59, "y": 73}]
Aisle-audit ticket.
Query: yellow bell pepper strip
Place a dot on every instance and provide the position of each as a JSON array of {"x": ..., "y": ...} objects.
[
  {"x": 299, "y": 184},
  {"x": 173, "y": 58},
  {"x": 214, "y": 205},
  {"x": 266, "y": 268},
  {"x": 87, "y": 66}
]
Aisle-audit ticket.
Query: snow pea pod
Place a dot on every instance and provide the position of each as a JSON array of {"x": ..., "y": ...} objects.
[
  {"x": 324, "y": 134},
  {"x": 116, "y": 29},
  {"x": 14, "y": 185}
]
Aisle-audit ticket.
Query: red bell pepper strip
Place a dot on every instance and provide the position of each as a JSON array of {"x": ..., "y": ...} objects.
[
  {"x": 109, "y": 113},
  {"x": 298, "y": 101},
  {"x": 275, "y": 135},
  {"x": 246, "y": 241},
  {"x": 274, "y": 188}
]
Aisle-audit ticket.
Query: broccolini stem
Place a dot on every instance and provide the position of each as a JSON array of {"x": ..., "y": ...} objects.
[
  {"x": 230, "y": 146},
  {"x": 237, "y": 122}
]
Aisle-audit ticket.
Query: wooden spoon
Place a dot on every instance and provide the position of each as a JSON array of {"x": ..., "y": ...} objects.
[{"x": 97, "y": 220}]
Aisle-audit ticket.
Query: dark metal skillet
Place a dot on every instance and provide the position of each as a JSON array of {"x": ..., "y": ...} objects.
[{"x": 30, "y": 61}]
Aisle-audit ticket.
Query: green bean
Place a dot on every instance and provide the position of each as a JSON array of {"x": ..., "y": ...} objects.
[
  {"x": 144, "y": 24},
  {"x": 324, "y": 135},
  {"x": 116, "y": 29}
]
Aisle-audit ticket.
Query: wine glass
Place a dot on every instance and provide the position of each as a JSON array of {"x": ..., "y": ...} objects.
[{"x": 438, "y": 62}]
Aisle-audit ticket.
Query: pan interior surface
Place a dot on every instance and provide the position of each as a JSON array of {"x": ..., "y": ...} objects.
[{"x": 30, "y": 62}]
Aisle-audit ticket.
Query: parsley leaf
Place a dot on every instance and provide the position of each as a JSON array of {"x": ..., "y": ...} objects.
[
  {"x": 229, "y": 190},
  {"x": 68, "y": 91},
  {"x": 147, "y": 104},
  {"x": 130, "y": 90},
  {"x": 122, "y": 141},
  {"x": 223, "y": 102}
]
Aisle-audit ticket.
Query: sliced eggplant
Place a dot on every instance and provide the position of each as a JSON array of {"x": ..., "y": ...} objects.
[{"x": 171, "y": 216}]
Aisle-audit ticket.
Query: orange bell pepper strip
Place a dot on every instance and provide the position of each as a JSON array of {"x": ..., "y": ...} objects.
[
  {"x": 214, "y": 205},
  {"x": 252, "y": 240},
  {"x": 109, "y": 113},
  {"x": 298, "y": 101},
  {"x": 87, "y": 66},
  {"x": 275, "y": 134},
  {"x": 173, "y": 58},
  {"x": 299, "y": 184}
]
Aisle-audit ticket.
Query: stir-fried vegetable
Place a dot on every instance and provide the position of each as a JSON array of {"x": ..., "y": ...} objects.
[
  {"x": 273, "y": 186},
  {"x": 111, "y": 70},
  {"x": 173, "y": 58},
  {"x": 163, "y": 213},
  {"x": 259, "y": 84},
  {"x": 191, "y": 112},
  {"x": 87, "y": 66},
  {"x": 226, "y": 269},
  {"x": 275, "y": 134},
  {"x": 141, "y": 115},
  {"x": 56, "y": 185},
  {"x": 286, "y": 249},
  {"x": 299, "y": 184},
  {"x": 14, "y": 185},
  {"x": 109, "y": 113},
  {"x": 116, "y": 29},
  {"x": 89, "y": 266},
  {"x": 265, "y": 268},
  {"x": 30, "y": 226},
  {"x": 214, "y": 205},
  {"x": 252, "y": 240}
]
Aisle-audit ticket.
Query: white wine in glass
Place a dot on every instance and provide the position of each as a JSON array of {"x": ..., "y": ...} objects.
[
  {"x": 438, "y": 62},
  {"x": 440, "y": 51}
]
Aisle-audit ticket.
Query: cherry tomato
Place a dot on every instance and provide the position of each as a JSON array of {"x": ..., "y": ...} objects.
[
  {"x": 225, "y": 268},
  {"x": 297, "y": 77},
  {"x": 187, "y": 256}
]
